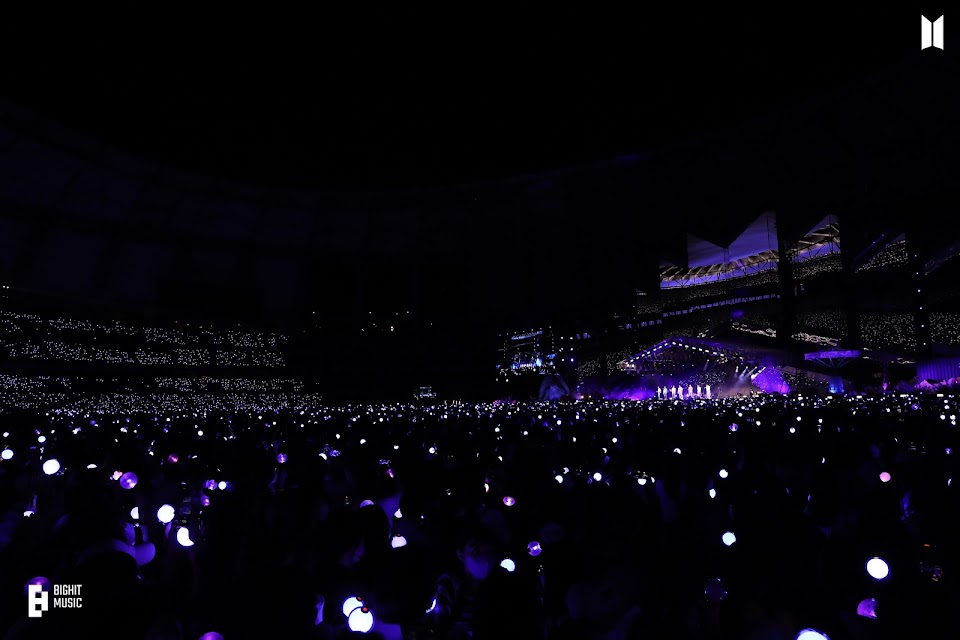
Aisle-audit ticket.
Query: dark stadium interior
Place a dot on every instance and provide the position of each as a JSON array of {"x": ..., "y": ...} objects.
[{"x": 486, "y": 332}]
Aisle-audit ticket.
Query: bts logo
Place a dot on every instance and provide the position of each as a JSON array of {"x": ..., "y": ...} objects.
[
  {"x": 38, "y": 601},
  {"x": 931, "y": 33}
]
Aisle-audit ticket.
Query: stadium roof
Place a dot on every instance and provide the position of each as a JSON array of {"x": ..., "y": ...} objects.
[
  {"x": 678, "y": 273},
  {"x": 826, "y": 233},
  {"x": 404, "y": 96},
  {"x": 758, "y": 237}
]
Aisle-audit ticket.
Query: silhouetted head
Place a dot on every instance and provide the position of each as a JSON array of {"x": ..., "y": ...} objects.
[{"x": 478, "y": 553}]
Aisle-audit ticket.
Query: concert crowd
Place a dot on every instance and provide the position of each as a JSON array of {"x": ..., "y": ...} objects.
[{"x": 750, "y": 517}]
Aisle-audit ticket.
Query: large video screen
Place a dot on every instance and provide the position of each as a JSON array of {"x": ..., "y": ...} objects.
[{"x": 527, "y": 352}]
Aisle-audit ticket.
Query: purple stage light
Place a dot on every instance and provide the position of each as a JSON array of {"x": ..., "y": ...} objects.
[
  {"x": 51, "y": 467},
  {"x": 733, "y": 426},
  {"x": 534, "y": 549},
  {"x": 211, "y": 635},
  {"x": 204, "y": 500},
  {"x": 507, "y": 564},
  {"x": 867, "y": 608},
  {"x": 729, "y": 538},
  {"x": 281, "y": 458},
  {"x": 771, "y": 380},
  {"x": 832, "y": 355},
  {"x": 172, "y": 458},
  {"x": 509, "y": 501},
  {"x": 884, "y": 477},
  {"x": 398, "y": 542},
  {"x": 811, "y": 634},
  {"x": 128, "y": 480},
  {"x": 6, "y": 454},
  {"x": 210, "y": 485}
]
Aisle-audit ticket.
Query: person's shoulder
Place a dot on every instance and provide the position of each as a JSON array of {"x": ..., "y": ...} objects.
[{"x": 448, "y": 578}]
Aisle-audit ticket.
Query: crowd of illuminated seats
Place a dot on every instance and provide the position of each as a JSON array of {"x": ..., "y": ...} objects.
[
  {"x": 207, "y": 383},
  {"x": 32, "y": 392},
  {"x": 888, "y": 330},
  {"x": 25, "y": 336},
  {"x": 828, "y": 323},
  {"x": 673, "y": 296},
  {"x": 945, "y": 328},
  {"x": 589, "y": 368},
  {"x": 615, "y": 357},
  {"x": 722, "y": 303},
  {"x": 140, "y": 403},
  {"x": 758, "y": 320},
  {"x": 681, "y": 332},
  {"x": 647, "y": 305},
  {"x": 894, "y": 255},
  {"x": 801, "y": 381},
  {"x": 142, "y": 356},
  {"x": 20, "y": 392},
  {"x": 819, "y": 265}
]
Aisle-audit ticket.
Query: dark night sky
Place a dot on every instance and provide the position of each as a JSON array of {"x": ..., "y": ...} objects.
[
  {"x": 385, "y": 100},
  {"x": 381, "y": 100}
]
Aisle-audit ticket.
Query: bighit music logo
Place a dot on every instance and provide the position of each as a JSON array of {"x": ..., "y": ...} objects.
[{"x": 65, "y": 596}]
